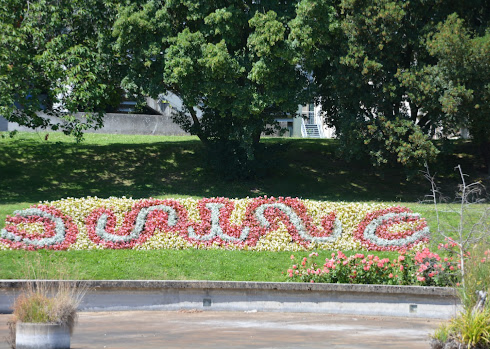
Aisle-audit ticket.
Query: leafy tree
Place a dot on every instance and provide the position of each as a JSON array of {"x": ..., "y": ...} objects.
[
  {"x": 232, "y": 60},
  {"x": 356, "y": 64},
  {"x": 54, "y": 58},
  {"x": 372, "y": 73},
  {"x": 459, "y": 83}
]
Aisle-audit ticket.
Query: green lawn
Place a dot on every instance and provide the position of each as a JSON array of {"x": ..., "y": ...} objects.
[
  {"x": 154, "y": 264},
  {"x": 33, "y": 169}
]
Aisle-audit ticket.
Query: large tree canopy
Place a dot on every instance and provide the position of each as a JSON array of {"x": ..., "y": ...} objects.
[
  {"x": 55, "y": 57},
  {"x": 231, "y": 59},
  {"x": 385, "y": 75},
  {"x": 389, "y": 74}
]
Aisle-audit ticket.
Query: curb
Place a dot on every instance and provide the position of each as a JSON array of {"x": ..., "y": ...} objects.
[{"x": 384, "y": 300}]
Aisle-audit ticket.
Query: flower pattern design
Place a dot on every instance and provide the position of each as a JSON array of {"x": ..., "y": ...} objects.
[{"x": 263, "y": 223}]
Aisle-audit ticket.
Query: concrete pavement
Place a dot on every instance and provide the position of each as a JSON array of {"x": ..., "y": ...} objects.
[{"x": 218, "y": 330}]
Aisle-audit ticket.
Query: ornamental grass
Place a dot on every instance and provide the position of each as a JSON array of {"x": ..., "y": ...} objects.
[
  {"x": 41, "y": 302},
  {"x": 45, "y": 301}
]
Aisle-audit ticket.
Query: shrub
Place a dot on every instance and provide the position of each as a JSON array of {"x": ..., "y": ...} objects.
[
  {"x": 434, "y": 270},
  {"x": 420, "y": 268}
]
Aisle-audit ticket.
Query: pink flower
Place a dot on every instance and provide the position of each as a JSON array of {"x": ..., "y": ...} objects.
[{"x": 390, "y": 275}]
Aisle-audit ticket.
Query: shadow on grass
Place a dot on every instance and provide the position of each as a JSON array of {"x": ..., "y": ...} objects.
[{"x": 32, "y": 170}]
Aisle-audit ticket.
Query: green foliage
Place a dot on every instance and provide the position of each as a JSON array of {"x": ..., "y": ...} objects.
[
  {"x": 356, "y": 65},
  {"x": 420, "y": 66},
  {"x": 55, "y": 59},
  {"x": 462, "y": 73},
  {"x": 401, "y": 61},
  {"x": 472, "y": 328},
  {"x": 477, "y": 274},
  {"x": 233, "y": 63},
  {"x": 398, "y": 138}
]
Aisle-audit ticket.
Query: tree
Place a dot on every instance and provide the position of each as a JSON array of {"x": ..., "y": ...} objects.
[
  {"x": 357, "y": 76},
  {"x": 54, "y": 58},
  {"x": 232, "y": 60},
  {"x": 459, "y": 81},
  {"x": 368, "y": 71}
]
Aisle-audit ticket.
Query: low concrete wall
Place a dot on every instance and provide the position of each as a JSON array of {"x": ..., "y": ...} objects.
[
  {"x": 129, "y": 124},
  {"x": 4, "y": 124},
  {"x": 409, "y": 301},
  {"x": 132, "y": 124},
  {"x": 141, "y": 124}
]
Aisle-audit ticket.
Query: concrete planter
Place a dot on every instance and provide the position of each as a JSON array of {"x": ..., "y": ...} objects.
[{"x": 42, "y": 336}]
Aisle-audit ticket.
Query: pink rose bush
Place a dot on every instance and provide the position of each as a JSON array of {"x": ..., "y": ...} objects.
[
  {"x": 263, "y": 223},
  {"x": 423, "y": 268}
]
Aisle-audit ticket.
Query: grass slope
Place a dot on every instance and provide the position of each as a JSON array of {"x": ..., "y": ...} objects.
[{"x": 33, "y": 169}]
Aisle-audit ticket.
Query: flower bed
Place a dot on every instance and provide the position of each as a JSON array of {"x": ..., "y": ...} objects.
[
  {"x": 263, "y": 223},
  {"x": 423, "y": 268}
]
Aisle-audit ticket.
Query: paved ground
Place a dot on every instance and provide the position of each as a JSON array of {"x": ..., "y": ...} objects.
[{"x": 217, "y": 330}]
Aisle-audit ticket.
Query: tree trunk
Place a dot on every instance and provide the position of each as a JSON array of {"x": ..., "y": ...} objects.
[
  {"x": 485, "y": 151},
  {"x": 199, "y": 134},
  {"x": 256, "y": 137}
]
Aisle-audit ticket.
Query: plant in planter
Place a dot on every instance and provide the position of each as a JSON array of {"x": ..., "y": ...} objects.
[{"x": 44, "y": 314}]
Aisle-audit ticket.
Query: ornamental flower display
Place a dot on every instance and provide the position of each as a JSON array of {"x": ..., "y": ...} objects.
[
  {"x": 58, "y": 231},
  {"x": 392, "y": 229},
  {"x": 263, "y": 223}
]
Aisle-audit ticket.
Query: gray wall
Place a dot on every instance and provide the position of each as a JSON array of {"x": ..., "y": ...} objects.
[
  {"x": 372, "y": 300},
  {"x": 134, "y": 124},
  {"x": 4, "y": 124}
]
